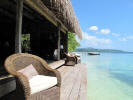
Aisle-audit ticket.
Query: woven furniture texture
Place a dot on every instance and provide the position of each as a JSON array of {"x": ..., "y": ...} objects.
[{"x": 19, "y": 61}]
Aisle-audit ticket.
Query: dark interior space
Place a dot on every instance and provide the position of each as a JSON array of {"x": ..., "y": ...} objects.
[
  {"x": 7, "y": 30},
  {"x": 43, "y": 34}
]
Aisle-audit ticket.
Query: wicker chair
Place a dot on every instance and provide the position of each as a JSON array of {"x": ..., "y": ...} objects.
[
  {"x": 70, "y": 60},
  {"x": 78, "y": 58},
  {"x": 17, "y": 62}
]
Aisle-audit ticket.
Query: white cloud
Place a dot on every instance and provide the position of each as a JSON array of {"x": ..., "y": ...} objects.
[
  {"x": 105, "y": 31},
  {"x": 102, "y": 31},
  {"x": 116, "y": 34},
  {"x": 123, "y": 39},
  {"x": 95, "y": 41},
  {"x": 93, "y": 28},
  {"x": 130, "y": 37}
]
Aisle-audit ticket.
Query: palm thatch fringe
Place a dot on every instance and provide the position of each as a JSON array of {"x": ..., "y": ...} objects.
[{"x": 63, "y": 10}]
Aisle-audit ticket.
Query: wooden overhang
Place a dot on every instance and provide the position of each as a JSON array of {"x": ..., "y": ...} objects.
[{"x": 43, "y": 10}]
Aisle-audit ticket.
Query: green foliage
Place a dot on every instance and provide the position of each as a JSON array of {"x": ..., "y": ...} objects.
[
  {"x": 25, "y": 42},
  {"x": 72, "y": 42}
]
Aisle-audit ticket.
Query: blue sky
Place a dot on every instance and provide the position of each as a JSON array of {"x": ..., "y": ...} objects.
[{"x": 106, "y": 23}]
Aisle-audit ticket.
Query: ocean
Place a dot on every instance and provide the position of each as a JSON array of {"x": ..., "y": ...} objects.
[{"x": 110, "y": 76}]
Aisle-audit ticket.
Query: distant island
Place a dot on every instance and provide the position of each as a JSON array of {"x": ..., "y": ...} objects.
[{"x": 101, "y": 50}]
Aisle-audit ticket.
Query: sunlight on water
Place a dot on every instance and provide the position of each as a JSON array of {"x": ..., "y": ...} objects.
[{"x": 110, "y": 76}]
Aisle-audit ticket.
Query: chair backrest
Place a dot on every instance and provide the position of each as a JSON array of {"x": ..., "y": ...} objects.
[
  {"x": 69, "y": 54},
  {"x": 19, "y": 61}
]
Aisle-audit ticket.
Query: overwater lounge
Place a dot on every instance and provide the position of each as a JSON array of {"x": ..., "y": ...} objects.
[{"x": 37, "y": 27}]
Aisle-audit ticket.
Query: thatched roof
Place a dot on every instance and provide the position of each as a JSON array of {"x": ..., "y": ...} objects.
[{"x": 61, "y": 9}]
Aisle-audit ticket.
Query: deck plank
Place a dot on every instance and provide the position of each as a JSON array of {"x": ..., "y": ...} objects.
[
  {"x": 57, "y": 64},
  {"x": 74, "y": 82},
  {"x": 83, "y": 87},
  {"x": 76, "y": 87},
  {"x": 67, "y": 85}
]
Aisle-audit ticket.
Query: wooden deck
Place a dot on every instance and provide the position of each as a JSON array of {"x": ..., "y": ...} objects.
[{"x": 74, "y": 82}]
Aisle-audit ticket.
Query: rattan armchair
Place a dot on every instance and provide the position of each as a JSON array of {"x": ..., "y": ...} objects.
[
  {"x": 70, "y": 60},
  {"x": 17, "y": 62},
  {"x": 78, "y": 58}
]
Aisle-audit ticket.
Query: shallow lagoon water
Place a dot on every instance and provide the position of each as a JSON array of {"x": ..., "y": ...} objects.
[{"x": 110, "y": 76}]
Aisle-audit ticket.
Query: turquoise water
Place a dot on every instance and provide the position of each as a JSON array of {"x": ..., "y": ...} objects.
[{"x": 110, "y": 76}]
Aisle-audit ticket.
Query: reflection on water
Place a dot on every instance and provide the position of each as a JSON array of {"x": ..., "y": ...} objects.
[{"x": 110, "y": 76}]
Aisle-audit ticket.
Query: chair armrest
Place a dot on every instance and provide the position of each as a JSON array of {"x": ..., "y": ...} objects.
[
  {"x": 58, "y": 77},
  {"x": 21, "y": 78},
  {"x": 23, "y": 81},
  {"x": 50, "y": 71},
  {"x": 55, "y": 73}
]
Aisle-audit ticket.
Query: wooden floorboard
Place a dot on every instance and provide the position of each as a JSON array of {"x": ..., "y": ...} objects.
[
  {"x": 74, "y": 82},
  {"x": 67, "y": 85},
  {"x": 83, "y": 87},
  {"x": 76, "y": 87},
  {"x": 57, "y": 64}
]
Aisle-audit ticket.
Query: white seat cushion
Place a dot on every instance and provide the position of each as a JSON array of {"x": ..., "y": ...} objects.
[{"x": 41, "y": 82}]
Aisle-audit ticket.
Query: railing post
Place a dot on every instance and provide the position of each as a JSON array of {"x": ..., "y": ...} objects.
[
  {"x": 59, "y": 38},
  {"x": 19, "y": 15},
  {"x": 66, "y": 42}
]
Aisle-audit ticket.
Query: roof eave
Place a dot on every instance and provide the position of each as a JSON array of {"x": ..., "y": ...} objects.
[{"x": 43, "y": 10}]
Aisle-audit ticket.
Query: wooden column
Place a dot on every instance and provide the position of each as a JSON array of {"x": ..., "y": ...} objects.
[
  {"x": 66, "y": 42},
  {"x": 66, "y": 45},
  {"x": 19, "y": 11},
  {"x": 59, "y": 38}
]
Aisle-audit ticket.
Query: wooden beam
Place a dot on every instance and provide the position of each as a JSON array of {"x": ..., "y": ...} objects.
[
  {"x": 59, "y": 38},
  {"x": 19, "y": 11},
  {"x": 43, "y": 10}
]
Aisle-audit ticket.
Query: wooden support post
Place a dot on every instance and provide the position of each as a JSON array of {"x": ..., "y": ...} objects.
[
  {"x": 59, "y": 38},
  {"x": 19, "y": 11},
  {"x": 66, "y": 42}
]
